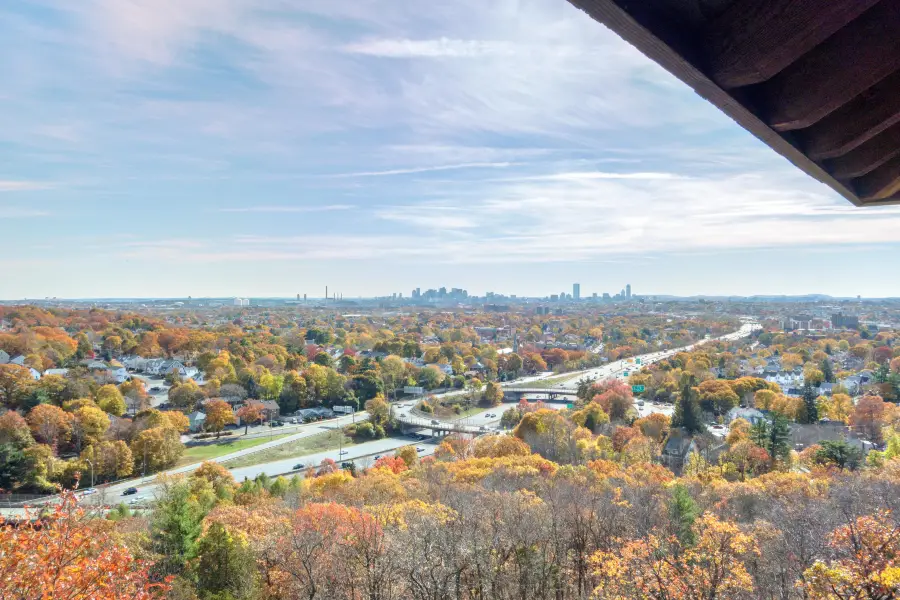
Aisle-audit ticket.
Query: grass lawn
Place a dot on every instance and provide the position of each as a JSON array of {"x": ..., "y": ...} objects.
[
  {"x": 201, "y": 453},
  {"x": 546, "y": 383},
  {"x": 319, "y": 442},
  {"x": 445, "y": 412}
]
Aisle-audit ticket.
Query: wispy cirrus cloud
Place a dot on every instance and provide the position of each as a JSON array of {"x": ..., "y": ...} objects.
[
  {"x": 287, "y": 209},
  {"x": 23, "y": 186},
  {"x": 412, "y": 170},
  {"x": 15, "y": 212}
]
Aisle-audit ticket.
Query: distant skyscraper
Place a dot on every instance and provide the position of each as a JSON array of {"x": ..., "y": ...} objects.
[
  {"x": 628, "y": 291},
  {"x": 576, "y": 291}
]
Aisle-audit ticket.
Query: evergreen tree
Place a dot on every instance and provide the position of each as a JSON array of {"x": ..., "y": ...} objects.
[
  {"x": 225, "y": 565},
  {"x": 683, "y": 511},
  {"x": 810, "y": 409},
  {"x": 827, "y": 370},
  {"x": 779, "y": 438},
  {"x": 177, "y": 523},
  {"x": 687, "y": 410}
]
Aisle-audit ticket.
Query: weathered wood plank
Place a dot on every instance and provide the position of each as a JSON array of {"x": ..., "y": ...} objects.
[
  {"x": 753, "y": 41},
  {"x": 831, "y": 75},
  {"x": 866, "y": 116},
  {"x": 868, "y": 156},
  {"x": 613, "y": 16},
  {"x": 880, "y": 184}
]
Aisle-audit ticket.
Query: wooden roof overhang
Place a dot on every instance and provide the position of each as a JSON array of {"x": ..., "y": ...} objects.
[{"x": 816, "y": 80}]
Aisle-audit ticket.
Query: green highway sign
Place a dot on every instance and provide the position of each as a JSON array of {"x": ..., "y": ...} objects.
[
  {"x": 638, "y": 361},
  {"x": 570, "y": 405},
  {"x": 637, "y": 389},
  {"x": 625, "y": 373}
]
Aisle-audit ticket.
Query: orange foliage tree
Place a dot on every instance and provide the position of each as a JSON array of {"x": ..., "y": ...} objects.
[
  {"x": 659, "y": 567},
  {"x": 69, "y": 556},
  {"x": 868, "y": 551}
]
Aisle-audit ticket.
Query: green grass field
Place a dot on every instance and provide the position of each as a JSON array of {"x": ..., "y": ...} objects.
[
  {"x": 201, "y": 453},
  {"x": 319, "y": 442},
  {"x": 546, "y": 383}
]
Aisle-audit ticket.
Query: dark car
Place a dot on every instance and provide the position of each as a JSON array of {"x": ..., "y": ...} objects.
[
  {"x": 299, "y": 466},
  {"x": 346, "y": 465},
  {"x": 156, "y": 388},
  {"x": 130, "y": 491}
]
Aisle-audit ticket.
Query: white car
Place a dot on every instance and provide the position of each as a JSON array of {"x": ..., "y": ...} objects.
[{"x": 89, "y": 492}]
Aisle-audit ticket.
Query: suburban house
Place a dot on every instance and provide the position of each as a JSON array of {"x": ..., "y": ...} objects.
[
  {"x": 311, "y": 414},
  {"x": 270, "y": 408},
  {"x": 4, "y": 357},
  {"x": 18, "y": 360},
  {"x": 677, "y": 449},
  {"x": 196, "y": 420},
  {"x": 60, "y": 372},
  {"x": 751, "y": 415},
  {"x": 35, "y": 374}
]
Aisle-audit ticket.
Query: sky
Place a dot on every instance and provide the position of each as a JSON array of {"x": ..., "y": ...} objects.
[{"x": 173, "y": 148}]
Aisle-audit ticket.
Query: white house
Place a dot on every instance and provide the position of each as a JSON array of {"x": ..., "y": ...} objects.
[
  {"x": 18, "y": 360},
  {"x": 4, "y": 357},
  {"x": 120, "y": 374},
  {"x": 60, "y": 372},
  {"x": 35, "y": 374}
]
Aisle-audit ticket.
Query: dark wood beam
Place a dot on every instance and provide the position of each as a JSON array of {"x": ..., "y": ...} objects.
[
  {"x": 880, "y": 184},
  {"x": 752, "y": 42},
  {"x": 625, "y": 25},
  {"x": 835, "y": 72},
  {"x": 872, "y": 112},
  {"x": 868, "y": 156}
]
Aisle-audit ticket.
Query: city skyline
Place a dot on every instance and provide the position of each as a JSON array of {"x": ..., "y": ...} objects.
[{"x": 212, "y": 151}]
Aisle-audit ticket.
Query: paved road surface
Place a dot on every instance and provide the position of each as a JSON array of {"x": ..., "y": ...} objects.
[{"x": 363, "y": 454}]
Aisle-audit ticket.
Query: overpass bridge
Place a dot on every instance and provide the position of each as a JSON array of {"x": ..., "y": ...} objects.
[
  {"x": 438, "y": 427},
  {"x": 552, "y": 394}
]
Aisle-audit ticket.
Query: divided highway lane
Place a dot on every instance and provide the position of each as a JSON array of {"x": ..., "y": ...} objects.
[{"x": 305, "y": 431}]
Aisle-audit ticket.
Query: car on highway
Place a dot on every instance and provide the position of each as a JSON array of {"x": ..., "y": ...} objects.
[
  {"x": 156, "y": 388},
  {"x": 299, "y": 466},
  {"x": 89, "y": 492},
  {"x": 129, "y": 491},
  {"x": 377, "y": 456},
  {"x": 435, "y": 422},
  {"x": 343, "y": 452},
  {"x": 420, "y": 449}
]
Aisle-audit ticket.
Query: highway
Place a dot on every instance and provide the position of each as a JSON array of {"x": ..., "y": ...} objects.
[{"x": 363, "y": 454}]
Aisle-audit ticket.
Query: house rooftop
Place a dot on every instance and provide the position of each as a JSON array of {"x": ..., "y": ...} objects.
[{"x": 816, "y": 80}]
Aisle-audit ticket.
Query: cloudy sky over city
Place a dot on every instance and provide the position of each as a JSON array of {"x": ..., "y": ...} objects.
[{"x": 267, "y": 148}]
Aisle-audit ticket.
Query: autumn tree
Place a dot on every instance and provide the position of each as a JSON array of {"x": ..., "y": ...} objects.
[
  {"x": 493, "y": 394},
  {"x": 868, "y": 417},
  {"x": 659, "y": 567},
  {"x": 111, "y": 400},
  {"x": 15, "y": 385},
  {"x": 89, "y": 423},
  {"x": 716, "y": 396},
  {"x": 218, "y": 415},
  {"x": 70, "y": 555},
  {"x": 156, "y": 449},
  {"x": 615, "y": 397},
  {"x": 249, "y": 413},
  {"x": 379, "y": 411},
  {"x": 186, "y": 395},
  {"x": 50, "y": 425},
  {"x": 867, "y": 550}
]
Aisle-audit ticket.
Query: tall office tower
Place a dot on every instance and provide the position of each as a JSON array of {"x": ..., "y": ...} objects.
[
  {"x": 576, "y": 291},
  {"x": 628, "y": 291}
]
